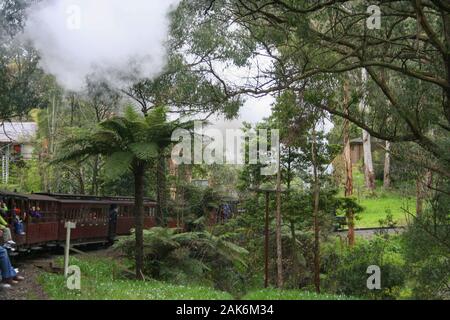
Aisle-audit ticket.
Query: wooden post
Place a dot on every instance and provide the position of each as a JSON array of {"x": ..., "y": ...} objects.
[
  {"x": 266, "y": 243},
  {"x": 278, "y": 228},
  {"x": 69, "y": 226},
  {"x": 348, "y": 168}
]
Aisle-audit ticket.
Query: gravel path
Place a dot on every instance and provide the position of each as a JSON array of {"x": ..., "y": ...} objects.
[{"x": 370, "y": 233}]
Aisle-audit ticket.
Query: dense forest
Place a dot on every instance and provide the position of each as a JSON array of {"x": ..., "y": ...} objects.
[{"x": 361, "y": 105}]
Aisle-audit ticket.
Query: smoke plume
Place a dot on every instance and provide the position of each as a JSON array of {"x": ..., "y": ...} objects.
[{"x": 113, "y": 40}]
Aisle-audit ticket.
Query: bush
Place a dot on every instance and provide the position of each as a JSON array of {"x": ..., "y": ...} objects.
[
  {"x": 427, "y": 252},
  {"x": 189, "y": 257},
  {"x": 346, "y": 268}
]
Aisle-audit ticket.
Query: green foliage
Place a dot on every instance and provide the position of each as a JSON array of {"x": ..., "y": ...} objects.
[
  {"x": 346, "y": 268},
  {"x": 198, "y": 202},
  {"x": 427, "y": 249},
  {"x": 123, "y": 141},
  {"x": 188, "y": 257},
  {"x": 24, "y": 176},
  {"x": 22, "y": 84}
]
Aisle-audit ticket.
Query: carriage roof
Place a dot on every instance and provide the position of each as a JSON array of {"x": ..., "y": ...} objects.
[{"x": 68, "y": 198}]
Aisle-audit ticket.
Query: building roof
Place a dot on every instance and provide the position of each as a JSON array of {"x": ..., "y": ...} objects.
[{"x": 17, "y": 132}]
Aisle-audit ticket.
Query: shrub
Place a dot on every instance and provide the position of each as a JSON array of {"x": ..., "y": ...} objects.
[
  {"x": 347, "y": 269},
  {"x": 188, "y": 257}
]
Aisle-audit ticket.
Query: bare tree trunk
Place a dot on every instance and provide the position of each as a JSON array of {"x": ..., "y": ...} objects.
[
  {"x": 316, "y": 194},
  {"x": 387, "y": 166},
  {"x": 369, "y": 174},
  {"x": 368, "y": 163},
  {"x": 348, "y": 169},
  {"x": 139, "y": 173},
  {"x": 278, "y": 229},
  {"x": 422, "y": 183},
  {"x": 161, "y": 189},
  {"x": 295, "y": 255},
  {"x": 80, "y": 175}
]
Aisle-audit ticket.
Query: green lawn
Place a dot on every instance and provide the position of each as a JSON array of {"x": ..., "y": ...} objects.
[
  {"x": 378, "y": 207},
  {"x": 101, "y": 280},
  {"x": 380, "y": 203},
  {"x": 275, "y": 294}
]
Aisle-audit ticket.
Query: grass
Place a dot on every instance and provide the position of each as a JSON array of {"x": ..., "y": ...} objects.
[
  {"x": 377, "y": 208},
  {"x": 275, "y": 294},
  {"x": 379, "y": 204},
  {"x": 101, "y": 279}
]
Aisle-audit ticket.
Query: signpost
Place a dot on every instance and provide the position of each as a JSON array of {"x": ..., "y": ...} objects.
[{"x": 69, "y": 226}]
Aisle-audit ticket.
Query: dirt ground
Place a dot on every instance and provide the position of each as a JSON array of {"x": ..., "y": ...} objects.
[{"x": 29, "y": 289}]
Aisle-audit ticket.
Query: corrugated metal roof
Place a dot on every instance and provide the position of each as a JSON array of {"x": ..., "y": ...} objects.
[{"x": 17, "y": 131}]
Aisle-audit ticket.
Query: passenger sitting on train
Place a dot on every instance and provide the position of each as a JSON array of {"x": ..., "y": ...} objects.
[
  {"x": 7, "y": 239},
  {"x": 3, "y": 210},
  {"x": 18, "y": 223},
  {"x": 8, "y": 273},
  {"x": 35, "y": 213}
]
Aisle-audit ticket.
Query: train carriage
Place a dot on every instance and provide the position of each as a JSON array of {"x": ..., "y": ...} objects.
[
  {"x": 44, "y": 229},
  {"x": 91, "y": 214}
]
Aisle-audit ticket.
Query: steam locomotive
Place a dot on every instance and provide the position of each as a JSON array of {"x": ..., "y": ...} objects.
[{"x": 92, "y": 215}]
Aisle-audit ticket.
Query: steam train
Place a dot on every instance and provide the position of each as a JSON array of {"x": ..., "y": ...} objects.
[{"x": 90, "y": 213}]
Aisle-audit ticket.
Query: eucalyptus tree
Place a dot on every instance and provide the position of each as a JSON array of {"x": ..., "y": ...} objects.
[
  {"x": 407, "y": 60},
  {"x": 406, "y": 56},
  {"x": 21, "y": 85}
]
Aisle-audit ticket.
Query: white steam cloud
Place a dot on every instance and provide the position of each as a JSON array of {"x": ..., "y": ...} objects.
[{"x": 113, "y": 40}]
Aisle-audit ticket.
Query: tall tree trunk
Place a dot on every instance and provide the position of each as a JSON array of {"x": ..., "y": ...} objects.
[
  {"x": 139, "y": 173},
  {"x": 295, "y": 255},
  {"x": 369, "y": 174},
  {"x": 387, "y": 166},
  {"x": 80, "y": 175},
  {"x": 316, "y": 194},
  {"x": 94, "y": 186},
  {"x": 422, "y": 183},
  {"x": 446, "y": 23},
  {"x": 278, "y": 229},
  {"x": 161, "y": 189},
  {"x": 348, "y": 169}
]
